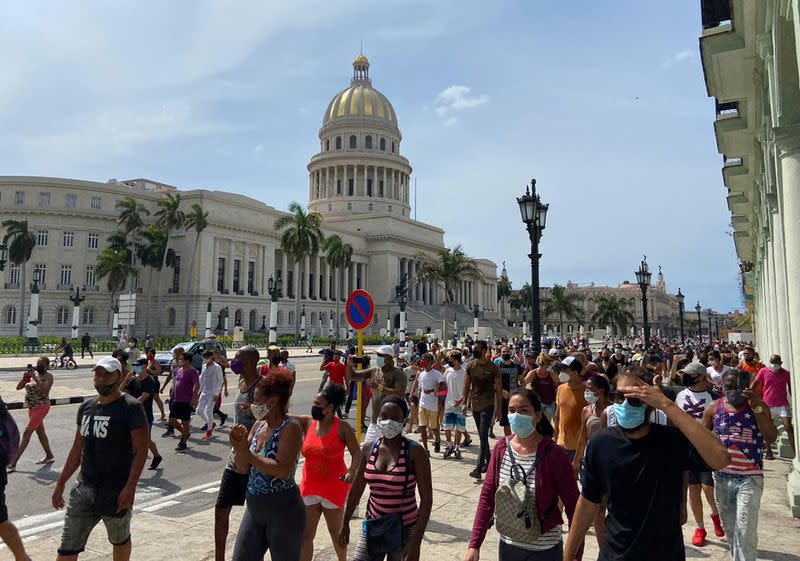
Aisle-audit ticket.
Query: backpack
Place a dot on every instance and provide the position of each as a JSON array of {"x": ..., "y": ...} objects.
[
  {"x": 514, "y": 508},
  {"x": 9, "y": 435}
]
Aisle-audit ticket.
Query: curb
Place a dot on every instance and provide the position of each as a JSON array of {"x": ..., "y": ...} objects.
[{"x": 56, "y": 401}]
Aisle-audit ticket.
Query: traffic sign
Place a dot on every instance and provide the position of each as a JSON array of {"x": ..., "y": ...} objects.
[{"x": 359, "y": 309}]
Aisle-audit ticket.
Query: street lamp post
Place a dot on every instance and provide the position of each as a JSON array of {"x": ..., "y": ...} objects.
[
  {"x": 388, "y": 322},
  {"x": 275, "y": 291},
  {"x": 643, "y": 279},
  {"x": 524, "y": 324},
  {"x": 716, "y": 326},
  {"x": 476, "y": 313},
  {"x": 32, "y": 331},
  {"x": 681, "y": 297},
  {"x": 710, "y": 333},
  {"x": 303, "y": 323},
  {"x": 400, "y": 296},
  {"x": 208, "y": 317},
  {"x": 534, "y": 216},
  {"x": 226, "y": 316},
  {"x": 330, "y": 325},
  {"x": 699, "y": 309},
  {"x": 115, "y": 320},
  {"x": 76, "y": 298}
]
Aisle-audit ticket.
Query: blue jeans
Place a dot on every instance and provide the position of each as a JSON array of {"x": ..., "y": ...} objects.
[
  {"x": 484, "y": 419},
  {"x": 738, "y": 500}
]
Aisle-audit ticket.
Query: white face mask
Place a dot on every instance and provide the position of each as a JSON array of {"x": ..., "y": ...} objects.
[
  {"x": 389, "y": 427},
  {"x": 259, "y": 411},
  {"x": 775, "y": 367},
  {"x": 563, "y": 377},
  {"x": 590, "y": 397},
  {"x": 380, "y": 361}
]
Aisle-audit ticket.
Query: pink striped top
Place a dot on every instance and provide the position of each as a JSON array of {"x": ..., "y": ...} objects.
[{"x": 386, "y": 493}]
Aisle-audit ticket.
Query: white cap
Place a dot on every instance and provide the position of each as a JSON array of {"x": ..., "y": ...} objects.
[
  {"x": 568, "y": 361},
  {"x": 109, "y": 364},
  {"x": 552, "y": 352},
  {"x": 387, "y": 350}
]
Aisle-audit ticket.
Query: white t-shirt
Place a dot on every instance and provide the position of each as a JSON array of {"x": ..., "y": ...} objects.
[
  {"x": 411, "y": 375},
  {"x": 211, "y": 378},
  {"x": 716, "y": 377},
  {"x": 694, "y": 403},
  {"x": 430, "y": 381},
  {"x": 455, "y": 389}
]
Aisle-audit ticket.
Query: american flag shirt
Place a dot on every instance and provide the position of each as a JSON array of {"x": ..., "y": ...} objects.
[{"x": 738, "y": 431}]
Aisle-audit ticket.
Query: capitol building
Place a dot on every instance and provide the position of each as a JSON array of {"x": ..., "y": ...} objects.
[{"x": 358, "y": 181}]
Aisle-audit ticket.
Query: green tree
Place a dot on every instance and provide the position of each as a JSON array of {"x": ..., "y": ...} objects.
[
  {"x": 21, "y": 242},
  {"x": 301, "y": 237},
  {"x": 339, "y": 254},
  {"x": 154, "y": 255},
  {"x": 114, "y": 264},
  {"x": 562, "y": 303},
  {"x": 196, "y": 220},
  {"x": 504, "y": 290},
  {"x": 613, "y": 311},
  {"x": 445, "y": 270},
  {"x": 169, "y": 217},
  {"x": 131, "y": 215}
]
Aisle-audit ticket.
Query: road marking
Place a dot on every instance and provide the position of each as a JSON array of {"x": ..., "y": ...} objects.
[
  {"x": 211, "y": 490},
  {"x": 159, "y": 506}
]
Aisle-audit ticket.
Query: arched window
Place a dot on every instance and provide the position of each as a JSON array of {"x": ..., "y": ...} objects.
[
  {"x": 370, "y": 207},
  {"x": 352, "y": 141},
  {"x": 171, "y": 317},
  {"x": 88, "y": 316},
  {"x": 280, "y": 317},
  {"x": 62, "y": 316},
  {"x": 327, "y": 145},
  {"x": 338, "y": 142},
  {"x": 237, "y": 317},
  {"x": 393, "y": 147},
  {"x": 253, "y": 320},
  {"x": 368, "y": 143},
  {"x": 349, "y": 207},
  {"x": 569, "y": 328},
  {"x": 291, "y": 317},
  {"x": 383, "y": 144},
  {"x": 10, "y": 315}
]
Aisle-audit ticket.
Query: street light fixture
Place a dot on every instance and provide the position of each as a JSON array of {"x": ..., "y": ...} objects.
[
  {"x": 681, "y": 298},
  {"x": 275, "y": 291},
  {"x": 400, "y": 293},
  {"x": 643, "y": 279},
  {"x": 699, "y": 309},
  {"x": 77, "y": 299},
  {"x": 534, "y": 216},
  {"x": 710, "y": 333},
  {"x": 32, "y": 331}
]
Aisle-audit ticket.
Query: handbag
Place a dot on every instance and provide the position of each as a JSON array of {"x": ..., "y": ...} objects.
[{"x": 387, "y": 534}]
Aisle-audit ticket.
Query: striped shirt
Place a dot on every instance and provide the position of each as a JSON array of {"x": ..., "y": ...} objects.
[
  {"x": 386, "y": 493},
  {"x": 738, "y": 430},
  {"x": 548, "y": 539}
]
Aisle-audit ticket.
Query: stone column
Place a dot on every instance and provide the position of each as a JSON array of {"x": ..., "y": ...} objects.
[
  {"x": 375, "y": 190},
  {"x": 386, "y": 192},
  {"x": 785, "y": 343},
  {"x": 229, "y": 271},
  {"x": 344, "y": 181}
]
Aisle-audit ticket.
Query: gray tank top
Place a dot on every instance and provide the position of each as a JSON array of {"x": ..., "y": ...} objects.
[{"x": 242, "y": 417}]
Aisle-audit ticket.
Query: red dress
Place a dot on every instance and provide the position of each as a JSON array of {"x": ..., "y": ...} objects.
[{"x": 324, "y": 465}]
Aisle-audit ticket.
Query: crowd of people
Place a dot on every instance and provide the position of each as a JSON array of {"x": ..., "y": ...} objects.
[{"x": 627, "y": 440}]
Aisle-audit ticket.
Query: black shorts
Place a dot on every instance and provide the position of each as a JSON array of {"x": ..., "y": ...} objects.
[
  {"x": 504, "y": 413},
  {"x": 180, "y": 410},
  {"x": 232, "y": 489},
  {"x": 700, "y": 477}
]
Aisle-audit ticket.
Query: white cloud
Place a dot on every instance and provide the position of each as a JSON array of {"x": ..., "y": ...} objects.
[
  {"x": 679, "y": 57},
  {"x": 454, "y": 99},
  {"x": 258, "y": 149}
]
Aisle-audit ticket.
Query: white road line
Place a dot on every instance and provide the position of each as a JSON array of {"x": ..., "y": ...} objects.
[
  {"x": 159, "y": 506},
  {"x": 211, "y": 490}
]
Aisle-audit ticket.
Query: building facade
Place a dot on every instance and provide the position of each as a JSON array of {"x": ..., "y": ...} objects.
[
  {"x": 750, "y": 60},
  {"x": 359, "y": 183}
]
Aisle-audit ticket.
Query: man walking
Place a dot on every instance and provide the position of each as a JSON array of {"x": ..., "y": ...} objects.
[
  {"x": 86, "y": 345},
  {"x": 431, "y": 382},
  {"x": 110, "y": 448},
  {"x": 210, "y": 386},
  {"x": 570, "y": 401},
  {"x": 775, "y": 383},
  {"x": 484, "y": 388},
  {"x": 185, "y": 394},
  {"x": 144, "y": 387}
]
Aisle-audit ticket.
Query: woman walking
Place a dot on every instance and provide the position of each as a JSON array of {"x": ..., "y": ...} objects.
[
  {"x": 326, "y": 478},
  {"x": 275, "y": 516},
  {"x": 543, "y": 380},
  {"x": 37, "y": 383},
  {"x": 393, "y": 467}
]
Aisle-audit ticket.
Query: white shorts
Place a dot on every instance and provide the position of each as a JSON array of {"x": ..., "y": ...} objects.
[
  {"x": 316, "y": 499},
  {"x": 784, "y": 411}
]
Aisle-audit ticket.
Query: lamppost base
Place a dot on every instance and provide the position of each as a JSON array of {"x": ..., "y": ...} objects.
[{"x": 32, "y": 344}]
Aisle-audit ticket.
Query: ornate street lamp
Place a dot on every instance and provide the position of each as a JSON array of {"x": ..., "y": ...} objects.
[
  {"x": 710, "y": 333},
  {"x": 534, "y": 216},
  {"x": 400, "y": 293},
  {"x": 643, "y": 279},
  {"x": 699, "y": 309},
  {"x": 32, "y": 331},
  {"x": 681, "y": 298},
  {"x": 3, "y": 256},
  {"x": 275, "y": 291},
  {"x": 76, "y": 298},
  {"x": 208, "y": 318}
]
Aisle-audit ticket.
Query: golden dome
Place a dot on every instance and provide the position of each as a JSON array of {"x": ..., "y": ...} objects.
[
  {"x": 360, "y": 58},
  {"x": 361, "y": 99}
]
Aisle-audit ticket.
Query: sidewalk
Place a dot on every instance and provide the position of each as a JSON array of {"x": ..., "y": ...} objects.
[{"x": 165, "y": 533}]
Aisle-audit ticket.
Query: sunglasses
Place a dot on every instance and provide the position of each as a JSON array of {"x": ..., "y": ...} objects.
[{"x": 619, "y": 398}]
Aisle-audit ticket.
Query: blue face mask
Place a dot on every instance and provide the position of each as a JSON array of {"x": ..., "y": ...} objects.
[
  {"x": 138, "y": 369},
  {"x": 628, "y": 416},
  {"x": 521, "y": 425},
  {"x": 380, "y": 361}
]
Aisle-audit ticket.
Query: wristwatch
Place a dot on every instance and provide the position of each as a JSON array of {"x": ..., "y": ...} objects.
[{"x": 758, "y": 409}]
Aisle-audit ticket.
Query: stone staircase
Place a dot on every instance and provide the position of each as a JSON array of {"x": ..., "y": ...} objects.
[{"x": 424, "y": 317}]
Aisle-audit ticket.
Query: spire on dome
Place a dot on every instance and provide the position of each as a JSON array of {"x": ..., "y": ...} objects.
[{"x": 361, "y": 68}]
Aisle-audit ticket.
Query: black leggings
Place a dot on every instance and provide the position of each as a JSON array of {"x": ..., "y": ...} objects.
[
  {"x": 274, "y": 523},
  {"x": 484, "y": 419},
  {"x": 510, "y": 552}
]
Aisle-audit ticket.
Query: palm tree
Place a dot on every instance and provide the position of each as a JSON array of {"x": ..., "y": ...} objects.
[
  {"x": 562, "y": 303},
  {"x": 613, "y": 311},
  {"x": 446, "y": 270},
  {"x": 153, "y": 253},
  {"x": 196, "y": 220},
  {"x": 339, "y": 254},
  {"x": 130, "y": 215},
  {"x": 301, "y": 237},
  {"x": 114, "y": 263},
  {"x": 504, "y": 290},
  {"x": 169, "y": 217},
  {"x": 19, "y": 253}
]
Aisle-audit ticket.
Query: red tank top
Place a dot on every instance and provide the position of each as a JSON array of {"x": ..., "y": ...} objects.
[{"x": 324, "y": 465}]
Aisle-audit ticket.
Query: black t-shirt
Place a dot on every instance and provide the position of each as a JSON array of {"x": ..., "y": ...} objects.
[
  {"x": 108, "y": 450},
  {"x": 150, "y": 386},
  {"x": 644, "y": 482}
]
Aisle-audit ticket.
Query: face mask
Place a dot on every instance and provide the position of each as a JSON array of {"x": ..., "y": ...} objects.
[
  {"x": 626, "y": 353},
  {"x": 477, "y": 353},
  {"x": 237, "y": 366},
  {"x": 380, "y": 361},
  {"x": 259, "y": 411},
  {"x": 689, "y": 381},
  {"x": 775, "y": 367},
  {"x": 521, "y": 425},
  {"x": 628, "y": 416},
  {"x": 137, "y": 369},
  {"x": 749, "y": 359},
  {"x": 563, "y": 377},
  {"x": 734, "y": 397},
  {"x": 107, "y": 390},
  {"x": 590, "y": 397},
  {"x": 389, "y": 427},
  {"x": 506, "y": 357},
  {"x": 316, "y": 413},
  {"x": 41, "y": 369},
  {"x": 276, "y": 360}
]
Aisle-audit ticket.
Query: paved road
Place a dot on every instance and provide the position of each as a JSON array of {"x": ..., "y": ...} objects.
[{"x": 29, "y": 489}]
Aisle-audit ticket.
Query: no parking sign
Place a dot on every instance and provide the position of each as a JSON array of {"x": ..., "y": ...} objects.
[{"x": 359, "y": 309}]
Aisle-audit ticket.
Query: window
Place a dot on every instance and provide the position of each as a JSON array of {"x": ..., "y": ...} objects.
[
  {"x": 10, "y": 315},
  {"x": 42, "y": 268},
  {"x": 291, "y": 317},
  {"x": 289, "y": 284},
  {"x": 338, "y": 186},
  {"x": 368, "y": 143},
  {"x": 349, "y": 207},
  {"x": 171, "y": 317},
  {"x": 327, "y": 145},
  {"x": 93, "y": 241},
  {"x": 66, "y": 275},
  {"x": 253, "y": 320},
  {"x": 370, "y": 207},
  {"x": 369, "y": 187},
  {"x": 117, "y": 205},
  {"x": 72, "y": 200},
  {"x": 390, "y": 208},
  {"x": 393, "y": 147},
  {"x": 330, "y": 208},
  {"x": 88, "y": 316},
  {"x": 350, "y": 186},
  {"x": 41, "y": 237},
  {"x": 338, "y": 142},
  {"x": 251, "y": 276},
  {"x": 237, "y": 274},
  {"x": 62, "y": 316},
  {"x": 96, "y": 203},
  {"x": 220, "y": 274},
  {"x": 19, "y": 197},
  {"x": 176, "y": 275},
  {"x": 44, "y": 199},
  {"x": 280, "y": 318},
  {"x": 237, "y": 318},
  {"x": 380, "y": 188},
  {"x": 15, "y": 272},
  {"x": 90, "y": 279},
  {"x": 383, "y": 144},
  {"x": 69, "y": 239},
  {"x": 352, "y": 144}
]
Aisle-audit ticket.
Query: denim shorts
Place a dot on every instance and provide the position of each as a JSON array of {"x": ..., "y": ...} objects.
[
  {"x": 454, "y": 421},
  {"x": 81, "y": 518}
]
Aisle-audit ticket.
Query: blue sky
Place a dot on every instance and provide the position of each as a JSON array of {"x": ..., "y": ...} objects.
[{"x": 602, "y": 102}]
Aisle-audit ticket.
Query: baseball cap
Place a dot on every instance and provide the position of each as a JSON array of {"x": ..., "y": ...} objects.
[
  {"x": 273, "y": 348},
  {"x": 694, "y": 369},
  {"x": 552, "y": 352},
  {"x": 568, "y": 362},
  {"x": 110, "y": 364},
  {"x": 387, "y": 350}
]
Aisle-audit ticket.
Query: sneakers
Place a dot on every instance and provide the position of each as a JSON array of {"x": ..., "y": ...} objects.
[
  {"x": 718, "y": 531},
  {"x": 168, "y": 432},
  {"x": 222, "y": 418},
  {"x": 699, "y": 538},
  {"x": 155, "y": 463},
  {"x": 485, "y": 468},
  {"x": 207, "y": 436},
  {"x": 448, "y": 452},
  {"x": 457, "y": 454},
  {"x": 181, "y": 446},
  {"x": 466, "y": 443},
  {"x": 476, "y": 473},
  {"x": 437, "y": 446},
  {"x": 204, "y": 427}
]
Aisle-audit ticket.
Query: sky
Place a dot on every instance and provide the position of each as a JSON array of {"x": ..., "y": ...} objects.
[{"x": 603, "y": 103}]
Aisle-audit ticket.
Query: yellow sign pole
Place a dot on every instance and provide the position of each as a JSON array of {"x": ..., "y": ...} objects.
[{"x": 359, "y": 414}]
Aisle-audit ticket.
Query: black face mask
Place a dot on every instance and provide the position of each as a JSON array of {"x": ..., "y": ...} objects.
[
  {"x": 317, "y": 413},
  {"x": 276, "y": 360},
  {"x": 477, "y": 353},
  {"x": 40, "y": 369},
  {"x": 506, "y": 357}
]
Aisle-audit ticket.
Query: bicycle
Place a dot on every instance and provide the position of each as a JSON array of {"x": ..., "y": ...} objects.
[{"x": 68, "y": 362}]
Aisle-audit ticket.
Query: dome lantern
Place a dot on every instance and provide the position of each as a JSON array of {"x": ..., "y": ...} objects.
[{"x": 361, "y": 68}]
